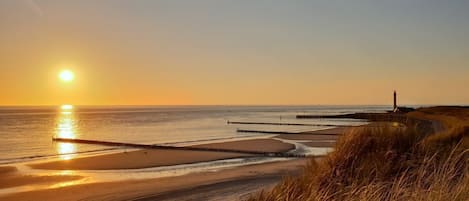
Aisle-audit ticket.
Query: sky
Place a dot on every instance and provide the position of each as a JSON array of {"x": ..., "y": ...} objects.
[{"x": 241, "y": 52}]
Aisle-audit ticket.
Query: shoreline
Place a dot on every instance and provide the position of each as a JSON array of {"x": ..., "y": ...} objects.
[
  {"x": 70, "y": 174},
  {"x": 148, "y": 158},
  {"x": 115, "y": 149},
  {"x": 147, "y": 188}
]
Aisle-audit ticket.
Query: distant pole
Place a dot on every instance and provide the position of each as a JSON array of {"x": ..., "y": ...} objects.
[{"x": 395, "y": 101}]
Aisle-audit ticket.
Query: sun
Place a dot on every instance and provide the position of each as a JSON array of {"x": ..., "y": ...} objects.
[{"x": 66, "y": 76}]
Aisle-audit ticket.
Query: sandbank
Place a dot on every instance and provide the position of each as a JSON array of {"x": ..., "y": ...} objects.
[{"x": 160, "y": 157}]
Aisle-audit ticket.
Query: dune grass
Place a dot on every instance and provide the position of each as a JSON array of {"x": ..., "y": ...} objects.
[{"x": 388, "y": 163}]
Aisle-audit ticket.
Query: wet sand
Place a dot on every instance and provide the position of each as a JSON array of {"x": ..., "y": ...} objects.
[
  {"x": 320, "y": 143},
  {"x": 8, "y": 181},
  {"x": 10, "y": 177},
  {"x": 158, "y": 157},
  {"x": 229, "y": 183},
  {"x": 319, "y": 137},
  {"x": 4, "y": 170}
]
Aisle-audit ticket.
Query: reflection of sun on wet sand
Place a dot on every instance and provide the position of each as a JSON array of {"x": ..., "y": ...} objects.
[
  {"x": 254, "y": 176},
  {"x": 250, "y": 177},
  {"x": 66, "y": 175},
  {"x": 157, "y": 157},
  {"x": 77, "y": 178},
  {"x": 10, "y": 177}
]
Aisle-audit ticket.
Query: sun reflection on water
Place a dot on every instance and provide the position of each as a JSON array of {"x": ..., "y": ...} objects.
[{"x": 66, "y": 128}]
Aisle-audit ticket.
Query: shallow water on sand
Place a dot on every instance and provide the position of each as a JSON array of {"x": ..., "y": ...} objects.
[{"x": 26, "y": 132}]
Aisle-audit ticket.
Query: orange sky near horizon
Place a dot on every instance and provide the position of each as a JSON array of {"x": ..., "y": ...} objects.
[{"x": 223, "y": 53}]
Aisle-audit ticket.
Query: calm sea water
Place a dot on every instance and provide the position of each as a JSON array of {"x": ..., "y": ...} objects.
[{"x": 26, "y": 132}]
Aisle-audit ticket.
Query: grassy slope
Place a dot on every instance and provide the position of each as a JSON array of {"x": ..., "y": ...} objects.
[{"x": 390, "y": 163}]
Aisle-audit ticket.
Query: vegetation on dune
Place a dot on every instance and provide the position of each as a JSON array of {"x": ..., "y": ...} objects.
[{"x": 385, "y": 162}]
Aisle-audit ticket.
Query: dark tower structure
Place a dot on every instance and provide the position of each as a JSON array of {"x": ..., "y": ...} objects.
[{"x": 395, "y": 101}]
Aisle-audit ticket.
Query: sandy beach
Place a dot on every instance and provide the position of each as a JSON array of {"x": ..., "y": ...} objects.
[
  {"x": 229, "y": 183},
  {"x": 157, "y": 157},
  {"x": 220, "y": 100},
  {"x": 167, "y": 187}
]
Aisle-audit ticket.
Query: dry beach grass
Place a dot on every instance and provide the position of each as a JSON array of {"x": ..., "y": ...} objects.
[{"x": 389, "y": 163}]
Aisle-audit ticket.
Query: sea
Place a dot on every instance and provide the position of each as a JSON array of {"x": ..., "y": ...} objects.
[{"x": 27, "y": 132}]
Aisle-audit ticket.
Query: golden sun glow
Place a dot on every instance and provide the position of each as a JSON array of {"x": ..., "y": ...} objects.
[
  {"x": 66, "y": 75},
  {"x": 66, "y": 107},
  {"x": 66, "y": 128},
  {"x": 66, "y": 150}
]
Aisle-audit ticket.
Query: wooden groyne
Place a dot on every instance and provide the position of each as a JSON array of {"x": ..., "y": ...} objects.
[
  {"x": 280, "y": 132},
  {"x": 397, "y": 117},
  {"x": 385, "y": 117},
  {"x": 265, "y": 132},
  {"x": 166, "y": 147},
  {"x": 282, "y": 124},
  {"x": 419, "y": 124}
]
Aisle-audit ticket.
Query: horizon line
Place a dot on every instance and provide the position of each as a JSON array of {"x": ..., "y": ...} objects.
[{"x": 179, "y": 105}]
